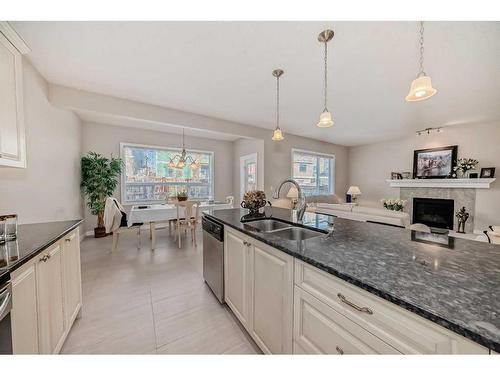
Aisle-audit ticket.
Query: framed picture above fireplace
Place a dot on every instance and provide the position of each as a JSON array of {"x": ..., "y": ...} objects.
[{"x": 434, "y": 162}]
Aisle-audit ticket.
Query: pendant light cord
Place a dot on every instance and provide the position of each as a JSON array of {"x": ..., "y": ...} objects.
[
  {"x": 277, "y": 102},
  {"x": 422, "y": 72},
  {"x": 326, "y": 76}
]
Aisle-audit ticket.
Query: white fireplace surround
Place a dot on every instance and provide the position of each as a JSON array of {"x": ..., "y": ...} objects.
[{"x": 461, "y": 183}]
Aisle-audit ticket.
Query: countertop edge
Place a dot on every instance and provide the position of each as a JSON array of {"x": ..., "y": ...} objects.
[
  {"x": 38, "y": 250},
  {"x": 478, "y": 338}
]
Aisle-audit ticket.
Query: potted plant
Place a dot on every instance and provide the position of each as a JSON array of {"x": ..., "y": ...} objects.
[
  {"x": 182, "y": 196},
  {"x": 99, "y": 181}
]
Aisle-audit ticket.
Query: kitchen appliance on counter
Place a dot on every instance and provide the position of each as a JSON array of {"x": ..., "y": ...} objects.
[
  {"x": 213, "y": 256},
  {"x": 5, "y": 307}
]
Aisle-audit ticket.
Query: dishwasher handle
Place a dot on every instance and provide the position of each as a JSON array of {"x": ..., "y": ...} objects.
[{"x": 5, "y": 300}]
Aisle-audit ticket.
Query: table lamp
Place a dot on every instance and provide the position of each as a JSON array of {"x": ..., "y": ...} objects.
[{"x": 354, "y": 192}]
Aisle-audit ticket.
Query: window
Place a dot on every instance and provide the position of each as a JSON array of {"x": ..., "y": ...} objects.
[
  {"x": 313, "y": 172},
  {"x": 148, "y": 177}
]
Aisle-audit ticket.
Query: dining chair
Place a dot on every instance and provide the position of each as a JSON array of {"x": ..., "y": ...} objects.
[{"x": 190, "y": 220}]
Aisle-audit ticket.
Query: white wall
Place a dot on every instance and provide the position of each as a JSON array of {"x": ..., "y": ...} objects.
[
  {"x": 48, "y": 189},
  {"x": 105, "y": 139},
  {"x": 371, "y": 165}
]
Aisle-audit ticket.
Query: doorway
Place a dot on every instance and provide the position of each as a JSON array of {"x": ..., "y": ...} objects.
[{"x": 248, "y": 173}]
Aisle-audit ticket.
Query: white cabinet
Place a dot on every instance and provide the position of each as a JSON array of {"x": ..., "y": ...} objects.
[
  {"x": 12, "y": 135},
  {"x": 72, "y": 277},
  {"x": 272, "y": 299},
  {"x": 51, "y": 322},
  {"x": 236, "y": 279},
  {"x": 24, "y": 309},
  {"x": 46, "y": 298},
  {"x": 258, "y": 289},
  {"x": 319, "y": 329}
]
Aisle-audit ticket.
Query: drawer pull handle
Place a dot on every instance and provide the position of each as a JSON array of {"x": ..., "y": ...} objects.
[
  {"x": 354, "y": 306},
  {"x": 44, "y": 258},
  {"x": 67, "y": 239},
  {"x": 339, "y": 350}
]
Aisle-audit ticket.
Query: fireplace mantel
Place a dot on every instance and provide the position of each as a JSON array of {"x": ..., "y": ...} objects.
[{"x": 471, "y": 183}]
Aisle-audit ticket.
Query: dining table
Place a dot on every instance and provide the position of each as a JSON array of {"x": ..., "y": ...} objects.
[{"x": 162, "y": 212}]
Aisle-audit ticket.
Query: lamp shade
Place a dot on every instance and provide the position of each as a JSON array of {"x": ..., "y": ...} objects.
[
  {"x": 277, "y": 135},
  {"x": 354, "y": 190},
  {"x": 293, "y": 193},
  {"x": 325, "y": 120},
  {"x": 421, "y": 89}
]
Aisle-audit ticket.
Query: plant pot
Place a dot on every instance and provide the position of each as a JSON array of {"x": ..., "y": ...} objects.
[
  {"x": 99, "y": 232},
  {"x": 182, "y": 199}
]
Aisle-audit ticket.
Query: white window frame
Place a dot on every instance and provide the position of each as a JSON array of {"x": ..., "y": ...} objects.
[
  {"x": 243, "y": 160},
  {"x": 314, "y": 153},
  {"x": 163, "y": 148}
]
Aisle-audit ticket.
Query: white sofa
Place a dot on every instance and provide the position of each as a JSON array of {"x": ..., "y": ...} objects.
[{"x": 360, "y": 213}]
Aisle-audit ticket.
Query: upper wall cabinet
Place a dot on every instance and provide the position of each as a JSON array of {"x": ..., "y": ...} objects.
[{"x": 12, "y": 137}]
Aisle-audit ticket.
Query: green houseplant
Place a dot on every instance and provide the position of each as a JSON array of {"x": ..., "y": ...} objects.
[{"x": 99, "y": 180}]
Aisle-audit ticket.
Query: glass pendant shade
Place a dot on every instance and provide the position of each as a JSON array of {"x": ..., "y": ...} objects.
[
  {"x": 277, "y": 135},
  {"x": 421, "y": 89},
  {"x": 325, "y": 120}
]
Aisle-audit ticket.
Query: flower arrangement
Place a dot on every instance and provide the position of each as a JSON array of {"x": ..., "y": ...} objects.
[
  {"x": 182, "y": 195},
  {"x": 394, "y": 204},
  {"x": 464, "y": 165}
]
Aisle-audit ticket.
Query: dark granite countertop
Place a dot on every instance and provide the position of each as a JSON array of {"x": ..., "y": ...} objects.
[
  {"x": 31, "y": 240},
  {"x": 452, "y": 282}
]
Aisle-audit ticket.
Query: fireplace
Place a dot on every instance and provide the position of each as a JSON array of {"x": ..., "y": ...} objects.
[{"x": 436, "y": 213}]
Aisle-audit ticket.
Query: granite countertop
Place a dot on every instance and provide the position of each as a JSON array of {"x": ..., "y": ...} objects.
[
  {"x": 450, "y": 281},
  {"x": 31, "y": 240}
]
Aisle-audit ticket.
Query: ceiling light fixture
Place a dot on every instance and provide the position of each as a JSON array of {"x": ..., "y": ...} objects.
[
  {"x": 325, "y": 119},
  {"x": 179, "y": 161},
  {"x": 421, "y": 87},
  {"x": 278, "y": 134},
  {"x": 429, "y": 130}
]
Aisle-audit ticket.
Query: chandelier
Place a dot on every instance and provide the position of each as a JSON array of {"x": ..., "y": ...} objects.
[{"x": 179, "y": 161}]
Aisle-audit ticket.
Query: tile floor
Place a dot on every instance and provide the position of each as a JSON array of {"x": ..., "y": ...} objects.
[{"x": 146, "y": 302}]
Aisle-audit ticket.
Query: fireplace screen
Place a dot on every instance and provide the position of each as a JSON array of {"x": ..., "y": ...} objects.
[{"x": 436, "y": 213}]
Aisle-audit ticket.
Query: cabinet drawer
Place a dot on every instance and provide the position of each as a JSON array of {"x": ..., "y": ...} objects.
[
  {"x": 319, "y": 329},
  {"x": 403, "y": 330}
]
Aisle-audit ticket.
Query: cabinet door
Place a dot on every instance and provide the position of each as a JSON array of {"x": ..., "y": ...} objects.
[
  {"x": 319, "y": 329},
  {"x": 236, "y": 280},
  {"x": 24, "y": 310},
  {"x": 71, "y": 277},
  {"x": 51, "y": 323},
  {"x": 271, "y": 299},
  {"x": 12, "y": 140}
]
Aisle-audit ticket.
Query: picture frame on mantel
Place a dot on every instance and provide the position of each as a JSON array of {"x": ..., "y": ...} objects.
[{"x": 434, "y": 162}]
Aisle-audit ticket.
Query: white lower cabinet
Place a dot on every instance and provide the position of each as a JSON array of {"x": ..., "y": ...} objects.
[
  {"x": 319, "y": 329},
  {"x": 51, "y": 322},
  {"x": 24, "y": 312},
  {"x": 259, "y": 290},
  {"x": 46, "y": 298},
  {"x": 271, "y": 299}
]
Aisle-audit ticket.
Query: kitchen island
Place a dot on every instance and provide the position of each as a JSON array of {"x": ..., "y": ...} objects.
[{"x": 407, "y": 292}]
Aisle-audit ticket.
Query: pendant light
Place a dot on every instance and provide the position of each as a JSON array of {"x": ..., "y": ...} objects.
[
  {"x": 421, "y": 87},
  {"x": 179, "y": 161},
  {"x": 325, "y": 119},
  {"x": 278, "y": 134}
]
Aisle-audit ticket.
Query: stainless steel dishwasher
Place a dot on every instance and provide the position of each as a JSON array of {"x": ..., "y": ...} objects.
[
  {"x": 5, "y": 307},
  {"x": 213, "y": 256}
]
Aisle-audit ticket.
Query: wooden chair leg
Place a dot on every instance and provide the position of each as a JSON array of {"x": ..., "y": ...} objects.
[
  {"x": 179, "y": 232},
  {"x": 138, "y": 238},
  {"x": 115, "y": 241},
  {"x": 194, "y": 235}
]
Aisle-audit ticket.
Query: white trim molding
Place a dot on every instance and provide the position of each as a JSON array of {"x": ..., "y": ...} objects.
[
  {"x": 467, "y": 183},
  {"x": 13, "y": 37}
]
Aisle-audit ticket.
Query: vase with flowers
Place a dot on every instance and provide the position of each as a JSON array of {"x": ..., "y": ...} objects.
[
  {"x": 463, "y": 166},
  {"x": 394, "y": 204}
]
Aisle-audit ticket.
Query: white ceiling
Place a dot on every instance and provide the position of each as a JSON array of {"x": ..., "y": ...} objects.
[{"x": 223, "y": 70}]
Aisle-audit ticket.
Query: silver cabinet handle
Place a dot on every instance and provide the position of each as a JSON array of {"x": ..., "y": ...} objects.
[
  {"x": 43, "y": 259},
  {"x": 246, "y": 243},
  {"x": 339, "y": 350},
  {"x": 67, "y": 239},
  {"x": 354, "y": 306}
]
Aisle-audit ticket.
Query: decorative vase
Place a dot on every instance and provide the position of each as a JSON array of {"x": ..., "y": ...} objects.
[
  {"x": 182, "y": 199},
  {"x": 254, "y": 200}
]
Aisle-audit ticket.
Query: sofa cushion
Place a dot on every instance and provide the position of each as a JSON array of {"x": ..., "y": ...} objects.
[
  {"x": 332, "y": 206},
  {"x": 331, "y": 198},
  {"x": 379, "y": 211}
]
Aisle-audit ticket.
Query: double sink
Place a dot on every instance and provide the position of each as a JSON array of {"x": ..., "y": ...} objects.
[{"x": 283, "y": 230}]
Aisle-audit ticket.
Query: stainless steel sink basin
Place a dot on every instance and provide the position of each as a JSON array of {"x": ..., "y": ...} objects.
[
  {"x": 296, "y": 233},
  {"x": 268, "y": 225}
]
